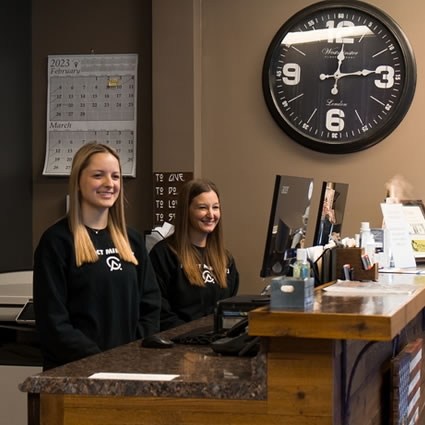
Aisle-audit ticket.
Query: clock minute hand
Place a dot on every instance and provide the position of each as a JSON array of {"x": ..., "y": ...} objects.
[{"x": 340, "y": 57}]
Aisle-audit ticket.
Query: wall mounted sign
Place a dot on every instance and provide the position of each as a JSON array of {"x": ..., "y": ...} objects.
[{"x": 166, "y": 188}]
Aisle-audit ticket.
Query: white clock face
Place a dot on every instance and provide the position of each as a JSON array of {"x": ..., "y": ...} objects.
[{"x": 339, "y": 76}]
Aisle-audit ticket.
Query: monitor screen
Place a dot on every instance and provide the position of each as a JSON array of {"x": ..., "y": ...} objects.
[
  {"x": 331, "y": 211},
  {"x": 287, "y": 225}
]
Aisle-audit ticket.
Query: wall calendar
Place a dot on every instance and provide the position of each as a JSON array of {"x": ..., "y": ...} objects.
[{"x": 91, "y": 98}]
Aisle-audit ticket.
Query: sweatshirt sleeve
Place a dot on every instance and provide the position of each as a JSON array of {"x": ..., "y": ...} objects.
[
  {"x": 150, "y": 295},
  {"x": 61, "y": 342},
  {"x": 165, "y": 264}
]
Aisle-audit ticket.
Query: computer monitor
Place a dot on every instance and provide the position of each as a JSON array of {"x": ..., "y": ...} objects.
[
  {"x": 330, "y": 212},
  {"x": 287, "y": 224}
]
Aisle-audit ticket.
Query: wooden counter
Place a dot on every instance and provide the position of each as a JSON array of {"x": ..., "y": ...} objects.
[
  {"x": 310, "y": 354},
  {"x": 296, "y": 380},
  {"x": 376, "y": 318}
]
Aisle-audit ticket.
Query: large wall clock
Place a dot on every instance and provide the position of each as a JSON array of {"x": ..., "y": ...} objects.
[{"x": 339, "y": 76}]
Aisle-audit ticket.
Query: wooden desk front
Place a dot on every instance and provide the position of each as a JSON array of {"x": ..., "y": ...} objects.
[
  {"x": 308, "y": 353},
  {"x": 295, "y": 381}
]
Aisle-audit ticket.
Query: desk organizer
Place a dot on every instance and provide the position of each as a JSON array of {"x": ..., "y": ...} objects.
[{"x": 352, "y": 256}]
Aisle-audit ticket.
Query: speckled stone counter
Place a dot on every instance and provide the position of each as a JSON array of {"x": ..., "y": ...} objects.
[{"x": 202, "y": 373}]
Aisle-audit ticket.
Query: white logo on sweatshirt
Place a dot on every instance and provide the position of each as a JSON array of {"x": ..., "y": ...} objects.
[
  {"x": 114, "y": 263},
  {"x": 206, "y": 275}
]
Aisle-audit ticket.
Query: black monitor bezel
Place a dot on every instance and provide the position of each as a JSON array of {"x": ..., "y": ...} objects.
[{"x": 265, "y": 267}]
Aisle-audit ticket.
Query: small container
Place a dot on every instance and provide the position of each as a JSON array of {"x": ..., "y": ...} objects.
[
  {"x": 301, "y": 268},
  {"x": 357, "y": 240},
  {"x": 370, "y": 248},
  {"x": 292, "y": 294},
  {"x": 365, "y": 234}
]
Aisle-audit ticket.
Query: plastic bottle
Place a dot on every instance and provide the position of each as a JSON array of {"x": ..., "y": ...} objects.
[
  {"x": 365, "y": 234},
  {"x": 371, "y": 248},
  {"x": 301, "y": 266}
]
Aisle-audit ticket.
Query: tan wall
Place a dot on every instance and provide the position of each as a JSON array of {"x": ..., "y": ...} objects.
[
  {"x": 242, "y": 147},
  {"x": 209, "y": 115}
]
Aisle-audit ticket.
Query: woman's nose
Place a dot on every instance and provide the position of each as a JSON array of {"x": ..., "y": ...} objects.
[{"x": 108, "y": 181}]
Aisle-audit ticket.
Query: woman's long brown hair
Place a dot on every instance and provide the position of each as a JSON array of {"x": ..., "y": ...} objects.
[{"x": 215, "y": 255}]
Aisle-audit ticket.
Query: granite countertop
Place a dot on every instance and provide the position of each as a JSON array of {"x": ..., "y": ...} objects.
[{"x": 202, "y": 373}]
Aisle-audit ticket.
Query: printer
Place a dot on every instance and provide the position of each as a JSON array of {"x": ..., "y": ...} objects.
[{"x": 15, "y": 293}]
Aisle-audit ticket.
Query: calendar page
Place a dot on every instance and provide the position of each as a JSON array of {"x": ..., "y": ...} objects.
[{"x": 91, "y": 98}]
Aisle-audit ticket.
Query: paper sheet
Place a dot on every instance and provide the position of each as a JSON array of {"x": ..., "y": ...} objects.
[
  {"x": 399, "y": 236},
  {"x": 403, "y": 271},
  {"x": 134, "y": 376},
  {"x": 359, "y": 288}
]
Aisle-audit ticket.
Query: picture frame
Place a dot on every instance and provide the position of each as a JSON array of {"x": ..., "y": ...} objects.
[{"x": 414, "y": 211}]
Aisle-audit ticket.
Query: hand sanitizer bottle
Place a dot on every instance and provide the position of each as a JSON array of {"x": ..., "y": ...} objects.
[{"x": 301, "y": 267}]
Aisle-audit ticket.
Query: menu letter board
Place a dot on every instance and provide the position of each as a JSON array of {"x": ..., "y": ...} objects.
[{"x": 166, "y": 187}]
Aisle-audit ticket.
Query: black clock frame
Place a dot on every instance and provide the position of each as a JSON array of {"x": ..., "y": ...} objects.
[{"x": 399, "y": 110}]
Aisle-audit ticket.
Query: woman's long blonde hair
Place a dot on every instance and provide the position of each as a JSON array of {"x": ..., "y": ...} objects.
[
  {"x": 84, "y": 248},
  {"x": 215, "y": 255}
]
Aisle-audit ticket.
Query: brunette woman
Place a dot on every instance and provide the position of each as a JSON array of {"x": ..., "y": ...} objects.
[{"x": 192, "y": 267}]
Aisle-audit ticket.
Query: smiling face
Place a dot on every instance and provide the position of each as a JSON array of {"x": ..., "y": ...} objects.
[
  {"x": 204, "y": 214},
  {"x": 100, "y": 183}
]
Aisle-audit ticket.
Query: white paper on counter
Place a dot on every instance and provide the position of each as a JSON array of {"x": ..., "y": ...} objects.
[
  {"x": 368, "y": 288},
  {"x": 134, "y": 376}
]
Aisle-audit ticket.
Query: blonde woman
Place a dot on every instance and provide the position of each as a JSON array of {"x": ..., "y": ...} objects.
[
  {"x": 192, "y": 267},
  {"x": 94, "y": 286}
]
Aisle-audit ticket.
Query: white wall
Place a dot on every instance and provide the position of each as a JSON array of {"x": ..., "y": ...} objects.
[{"x": 13, "y": 403}]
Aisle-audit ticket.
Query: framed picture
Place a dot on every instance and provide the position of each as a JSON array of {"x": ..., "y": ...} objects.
[{"x": 414, "y": 210}]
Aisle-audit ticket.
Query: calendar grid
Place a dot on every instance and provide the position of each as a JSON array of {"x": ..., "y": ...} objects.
[{"x": 65, "y": 144}]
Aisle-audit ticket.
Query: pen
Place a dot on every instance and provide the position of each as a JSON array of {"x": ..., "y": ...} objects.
[{"x": 346, "y": 270}]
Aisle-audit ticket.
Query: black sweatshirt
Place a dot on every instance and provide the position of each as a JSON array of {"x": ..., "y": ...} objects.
[
  {"x": 181, "y": 301},
  {"x": 85, "y": 310}
]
